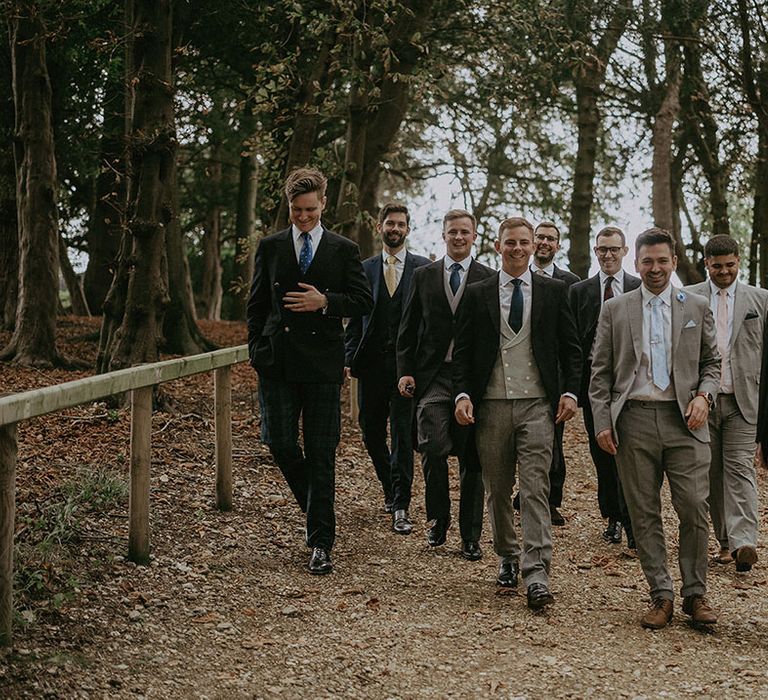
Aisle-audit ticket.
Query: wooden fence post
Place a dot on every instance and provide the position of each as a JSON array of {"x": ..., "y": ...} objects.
[
  {"x": 8, "y": 451},
  {"x": 138, "y": 504},
  {"x": 222, "y": 383}
]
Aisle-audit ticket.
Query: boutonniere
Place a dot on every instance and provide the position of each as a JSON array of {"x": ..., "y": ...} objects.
[{"x": 680, "y": 296}]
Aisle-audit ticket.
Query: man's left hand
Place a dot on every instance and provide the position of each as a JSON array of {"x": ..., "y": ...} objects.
[
  {"x": 697, "y": 412},
  {"x": 310, "y": 300},
  {"x": 566, "y": 409}
]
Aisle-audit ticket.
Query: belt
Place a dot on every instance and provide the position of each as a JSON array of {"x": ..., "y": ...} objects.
[{"x": 653, "y": 405}]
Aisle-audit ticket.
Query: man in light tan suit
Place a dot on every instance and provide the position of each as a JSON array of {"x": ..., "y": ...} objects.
[
  {"x": 739, "y": 311},
  {"x": 655, "y": 370}
]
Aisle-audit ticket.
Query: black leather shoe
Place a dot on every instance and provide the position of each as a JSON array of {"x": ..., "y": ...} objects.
[
  {"x": 631, "y": 544},
  {"x": 437, "y": 533},
  {"x": 555, "y": 516},
  {"x": 401, "y": 524},
  {"x": 470, "y": 549},
  {"x": 320, "y": 562},
  {"x": 539, "y": 596},
  {"x": 508, "y": 573},
  {"x": 612, "y": 533}
]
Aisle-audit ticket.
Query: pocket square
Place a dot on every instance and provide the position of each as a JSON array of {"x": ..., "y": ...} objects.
[
  {"x": 750, "y": 314},
  {"x": 691, "y": 324}
]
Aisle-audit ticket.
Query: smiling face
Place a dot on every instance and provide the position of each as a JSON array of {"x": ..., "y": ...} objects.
[
  {"x": 393, "y": 231},
  {"x": 610, "y": 252},
  {"x": 515, "y": 246},
  {"x": 655, "y": 264},
  {"x": 547, "y": 242},
  {"x": 459, "y": 235},
  {"x": 723, "y": 269},
  {"x": 305, "y": 210}
]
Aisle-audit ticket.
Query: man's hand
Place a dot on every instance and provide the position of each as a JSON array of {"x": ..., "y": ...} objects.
[
  {"x": 606, "y": 441},
  {"x": 464, "y": 412},
  {"x": 697, "y": 412},
  {"x": 347, "y": 373},
  {"x": 310, "y": 300},
  {"x": 566, "y": 409},
  {"x": 406, "y": 386}
]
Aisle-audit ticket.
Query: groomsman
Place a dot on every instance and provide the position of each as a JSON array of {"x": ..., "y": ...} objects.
[
  {"x": 370, "y": 346},
  {"x": 424, "y": 355},
  {"x": 655, "y": 370},
  {"x": 546, "y": 241},
  {"x": 306, "y": 279},
  {"x": 587, "y": 298},
  {"x": 515, "y": 339},
  {"x": 739, "y": 311}
]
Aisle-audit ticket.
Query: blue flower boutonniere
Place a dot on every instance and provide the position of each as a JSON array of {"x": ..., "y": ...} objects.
[{"x": 681, "y": 296}]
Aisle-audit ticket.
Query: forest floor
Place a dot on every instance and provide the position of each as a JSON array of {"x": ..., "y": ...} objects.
[{"x": 227, "y": 610}]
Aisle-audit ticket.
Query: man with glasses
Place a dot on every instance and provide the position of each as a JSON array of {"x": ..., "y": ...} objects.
[
  {"x": 587, "y": 298},
  {"x": 424, "y": 355}
]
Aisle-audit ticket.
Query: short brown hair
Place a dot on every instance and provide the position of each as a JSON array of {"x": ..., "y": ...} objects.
[
  {"x": 548, "y": 224},
  {"x": 610, "y": 231},
  {"x": 514, "y": 222},
  {"x": 305, "y": 180},
  {"x": 394, "y": 208},
  {"x": 459, "y": 214},
  {"x": 721, "y": 244},
  {"x": 654, "y": 236}
]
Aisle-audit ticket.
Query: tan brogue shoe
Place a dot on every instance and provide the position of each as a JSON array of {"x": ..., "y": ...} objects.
[
  {"x": 698, "y": 608},
  {"x": 724, "y": 556},
  {"x": 658, "y": 615}
]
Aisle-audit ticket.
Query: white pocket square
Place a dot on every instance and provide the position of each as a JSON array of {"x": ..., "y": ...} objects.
[{"x": 691, "y": 324}]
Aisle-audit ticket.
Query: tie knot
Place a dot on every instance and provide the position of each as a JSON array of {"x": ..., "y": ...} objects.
[
  {"x": 610, "y": 280},
  {"x": 455, "y": 267},
  {"x": 391, "y": 260},
  {"x": 722, "y": 292},
  {"x": 305, "y": 235},
  {"x": 655, "y": 301},
  {"x": 517, "y": 282}
]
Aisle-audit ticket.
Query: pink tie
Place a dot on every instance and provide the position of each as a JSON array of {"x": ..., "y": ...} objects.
[{"x": 722, "y": 328}]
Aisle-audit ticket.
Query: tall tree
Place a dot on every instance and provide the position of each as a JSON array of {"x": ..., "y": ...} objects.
[{"x": 9, "y": 235}]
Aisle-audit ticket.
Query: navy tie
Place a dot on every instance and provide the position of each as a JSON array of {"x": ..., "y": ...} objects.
[
  {"x": 516, "y": 307},
  {"x": 455, "y": 279},
  {"x": 305, "y": 256}
]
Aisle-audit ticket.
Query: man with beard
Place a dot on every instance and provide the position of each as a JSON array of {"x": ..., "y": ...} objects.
[
  {"x": 546, "y": 243},
  {"x": 370, "y": 346}
]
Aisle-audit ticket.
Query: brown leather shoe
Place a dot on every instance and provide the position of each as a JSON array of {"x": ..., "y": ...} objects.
[
  {"x": 658, "y": 615},
  {"x": 724, "y": 556},
  {"x": 697, "y": 607},
  {"x": 745, "y": 557}
]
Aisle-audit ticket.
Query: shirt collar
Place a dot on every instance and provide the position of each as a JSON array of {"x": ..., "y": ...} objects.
[
  {"x": 549, "y": 270},
  {"x": 400, "y": 255},
  {"x": 505, "y": 279},
  {"x": 619, "y": 277},
  {"x": 313, "y": 234},
  {"x": 665, "y": 296},
  {"x": 448, "y": 261},
  {"x": 729, "y": 291}
]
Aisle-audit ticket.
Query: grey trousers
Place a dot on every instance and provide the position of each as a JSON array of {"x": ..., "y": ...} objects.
[
  {"x": 512, "y": 432},
  {"x": 732, "y": 478},
  {"x": 654, "y": 441}
]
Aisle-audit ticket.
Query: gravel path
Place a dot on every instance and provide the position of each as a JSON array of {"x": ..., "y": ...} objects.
[{"x": 226, "y": 609}]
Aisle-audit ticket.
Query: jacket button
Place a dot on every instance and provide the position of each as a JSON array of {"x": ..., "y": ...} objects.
[{"x": 286, "y": 329}]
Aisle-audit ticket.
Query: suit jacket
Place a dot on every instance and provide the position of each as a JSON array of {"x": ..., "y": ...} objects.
[
  {"x": 750, "y": 307},
  {"x": 553, "y": 335},
  {"x": 360, "y": 329},
  {"x": 618, "y": 351},
  {"x": 585, "y": 298},
  {"x": 304, "y": 346},
  {"x": 428, "y": 325},
  {"x": 565, "y": 275}
]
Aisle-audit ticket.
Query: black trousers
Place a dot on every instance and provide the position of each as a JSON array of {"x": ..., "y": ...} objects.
[
  {"x": 610, "y": 495},
  {"x": 439, "y": 436},
  {"x": 557, "y": 469},
  {"x": 309, "y": 472},
  {"x": 381, "y": 403}
]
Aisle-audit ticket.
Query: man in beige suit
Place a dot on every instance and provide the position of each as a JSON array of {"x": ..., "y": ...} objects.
[
  {"x": 739, "y": 311},
  {"x": 655, "y": 369}
]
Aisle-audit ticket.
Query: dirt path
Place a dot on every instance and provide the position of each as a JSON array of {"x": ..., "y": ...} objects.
[{"x": 226, "y": 609}]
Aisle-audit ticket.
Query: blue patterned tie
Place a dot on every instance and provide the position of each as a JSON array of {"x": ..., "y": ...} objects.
[
  {"x": 659, "y": 369},
  {"x": 516, "y": 307},
  {"x": 305, "y": 256},
  {"x": 455, "y": 279}
]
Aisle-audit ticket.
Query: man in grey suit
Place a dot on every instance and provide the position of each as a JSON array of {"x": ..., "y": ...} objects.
[
  {"x": 655, "y": 370},
  {"x": 739, "y": 311}
]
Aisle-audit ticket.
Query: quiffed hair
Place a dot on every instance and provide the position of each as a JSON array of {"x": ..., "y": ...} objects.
[
  {"x": 722, "y": 244},
  {"x": 305, "y": 180},
  {"x": 394, "y": 208},
  {"x": 652, "y": 236},
  {"x": 459, "y": 214},
  {"x": 514, "y": 222}
]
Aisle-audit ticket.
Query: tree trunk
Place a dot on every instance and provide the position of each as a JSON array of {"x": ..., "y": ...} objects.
[
  {"x": 9, "y": 233},
  {"x": 760, "y": 213},
  {"x": 77, "y": 301},
  {"x": 245, "y": 234},
  {"x": 106, "y": 222},
  {"x": 34, "y": 338},
  {"x": 662, "y": 201},
  {"x": 209, "y": 299},
  {"x": 136, "y": 337}
]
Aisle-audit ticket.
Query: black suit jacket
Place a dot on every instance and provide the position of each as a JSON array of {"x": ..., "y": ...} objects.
[
  {"x": 555, "y": 343},
  {"x": 307, "y": 346},
  {"x": 584, "y": 297},
  {"x": 428, "y": 325},
  {"x": 565, "y": 275},
  {"x": 360, "y": 329}
]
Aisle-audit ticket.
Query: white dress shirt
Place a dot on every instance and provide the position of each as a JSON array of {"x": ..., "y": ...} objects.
[
  {"x": 643, "y": 388},
  {"x": 399, "y": 262},
  {"x": 726, "y": 375},
  {"x": 315, "y": 235},
  {"x": 448, "y": 261},
  {"x": 549, "y": 270},
  {"x": 506, "y": 288},
  {"x": 617, "y": 285}
]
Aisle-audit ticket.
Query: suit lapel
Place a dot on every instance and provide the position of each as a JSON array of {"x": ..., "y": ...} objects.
[
  {"x": 678, "y": 316},
  {"x": 322, "y": 256},
  {"x": 491, "y": 294},
  {"x": 537, "y": 301},
  {"x": 635, "y": 316},
  {"x": 376, "y": 275},
  {"x": 739, "y": 311},
  {"x": 288, "y": 253},
  {"x": 407, "y": 275},
  {"x": 631, "y": 282},
  {"x": 438, "y": 285}
]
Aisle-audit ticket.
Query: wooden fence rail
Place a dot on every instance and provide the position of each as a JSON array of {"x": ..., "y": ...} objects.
[{"x": 139, "y": 381}]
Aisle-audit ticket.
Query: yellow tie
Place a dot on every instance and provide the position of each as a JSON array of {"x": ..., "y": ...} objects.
[{"x": 390, "y": 275}]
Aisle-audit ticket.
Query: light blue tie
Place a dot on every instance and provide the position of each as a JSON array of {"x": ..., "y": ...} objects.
[{"x": 659, "y": 368}]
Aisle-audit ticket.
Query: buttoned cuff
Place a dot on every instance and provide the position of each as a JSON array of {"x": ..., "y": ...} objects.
[{"x": 461, "y": 396}]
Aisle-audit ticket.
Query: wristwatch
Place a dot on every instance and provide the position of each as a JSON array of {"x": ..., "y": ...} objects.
[{"x": 710, "y": 399}]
